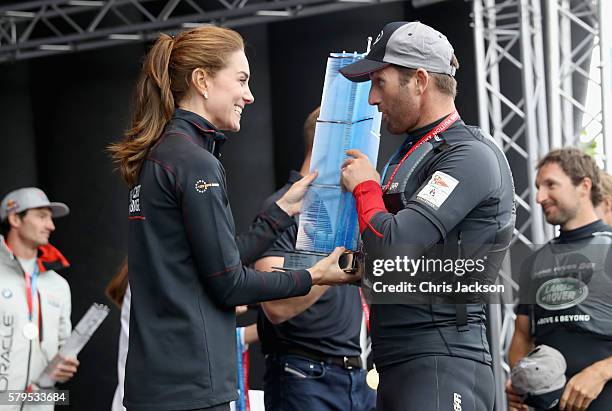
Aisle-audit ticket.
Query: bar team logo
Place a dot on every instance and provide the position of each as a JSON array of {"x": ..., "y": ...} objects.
[
  {"x": 457, "y": 402},
  {"x": 135, "y": 200},
  {"x": 202, "y": 186}
]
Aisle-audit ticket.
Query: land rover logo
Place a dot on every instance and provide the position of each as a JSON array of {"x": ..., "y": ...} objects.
[{"x": 561, "y": 293}]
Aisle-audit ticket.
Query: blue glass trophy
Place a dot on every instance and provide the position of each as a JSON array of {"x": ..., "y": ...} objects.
[{"x": 328, "y": 218}]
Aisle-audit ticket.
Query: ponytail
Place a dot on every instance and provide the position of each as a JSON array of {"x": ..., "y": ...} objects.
[
  {"x": 118, "y": 285},
  {"x": 153, "y": 106}
]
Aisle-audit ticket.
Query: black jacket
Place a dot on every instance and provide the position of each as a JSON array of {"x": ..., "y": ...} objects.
[{"x": 187, "y": 273}]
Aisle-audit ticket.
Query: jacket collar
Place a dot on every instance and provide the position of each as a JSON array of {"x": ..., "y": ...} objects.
[
  {"x": 415, "y": 135},
  {"x": 49, "y": 257},
  {"x": 211, "y": 139}
]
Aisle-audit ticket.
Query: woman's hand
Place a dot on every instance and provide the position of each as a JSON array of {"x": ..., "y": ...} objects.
[
  {"x": 291, "y": 201},
  {"x": 328, "y": 272}
]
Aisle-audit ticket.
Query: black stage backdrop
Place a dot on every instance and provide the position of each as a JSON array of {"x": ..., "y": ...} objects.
[{"x": 59, "y": 113}]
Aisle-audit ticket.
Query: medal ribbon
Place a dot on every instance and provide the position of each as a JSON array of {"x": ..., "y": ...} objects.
[
  {"x": 31, "y": 286},
  {"x": 443, "y": 126},
  {"x": 366, "y": 309}
]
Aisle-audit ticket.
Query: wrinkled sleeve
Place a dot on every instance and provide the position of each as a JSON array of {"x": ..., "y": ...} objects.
[
  {"x": 65, "y": 325},
  {"x": 209, "y": 226},
  {"x": 457, "y": 182},
  {"x": 265, "y": 231}
]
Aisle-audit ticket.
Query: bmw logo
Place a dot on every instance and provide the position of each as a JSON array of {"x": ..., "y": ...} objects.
[{"x": 7, "y": 293}]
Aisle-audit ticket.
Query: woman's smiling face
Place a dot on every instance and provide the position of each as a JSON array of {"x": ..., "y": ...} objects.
[{"x": 228, "y": 93}]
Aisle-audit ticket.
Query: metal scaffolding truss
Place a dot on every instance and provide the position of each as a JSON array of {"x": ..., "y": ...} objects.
[
  {"x": 575, "y": 28},
  {"x": 511, "y": 91},
  {"x": 512, "y": 105},
  {"x": 39, "y": 28},
  {"x": 512, "y": 81}
]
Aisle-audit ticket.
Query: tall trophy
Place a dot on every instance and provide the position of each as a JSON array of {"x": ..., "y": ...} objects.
[{"x": 328, "y": 218}]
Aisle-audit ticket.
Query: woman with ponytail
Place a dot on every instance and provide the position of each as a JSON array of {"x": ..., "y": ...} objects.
[{"x": 187, "y": 269}]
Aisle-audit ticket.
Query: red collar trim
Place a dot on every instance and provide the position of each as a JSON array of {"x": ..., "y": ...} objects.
[{"x": 50, "y": 258}]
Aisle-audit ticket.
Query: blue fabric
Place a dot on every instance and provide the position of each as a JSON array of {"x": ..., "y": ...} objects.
[
  {"x": 34, "y": 286},
  {"x": 241, "y": 401},
  {"x": 293, "y": 383}
]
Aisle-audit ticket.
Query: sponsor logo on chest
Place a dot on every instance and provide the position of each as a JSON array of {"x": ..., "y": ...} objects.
[{"x": 561, "y": 293}]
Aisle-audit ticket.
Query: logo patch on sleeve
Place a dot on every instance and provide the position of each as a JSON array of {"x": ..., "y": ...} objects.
[
  {"x": 202, "y": 186},
  {"x": 437, "y": 190}
]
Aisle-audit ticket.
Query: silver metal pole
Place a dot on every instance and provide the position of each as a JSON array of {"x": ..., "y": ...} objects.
[
  {"x": 605, "y": 50},
  {"x": 565, "y": 79},
  {"x": 554, "y": 97},
  {"x": 496, "y": 105},
  {"x": 531, "y": 129},
  {"x": 481, "y": 73}
]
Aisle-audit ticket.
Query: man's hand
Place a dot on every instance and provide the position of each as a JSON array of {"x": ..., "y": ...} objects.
[
  {"x": 241, "y": 309},
  {"x": 65, "y": 369},
  {"x": 328, "y": 272},
  {"x": 291, "y": 201},
  {"x": 357, "y": 170},
  {"x": 583, "y": 388},
  {"x": 515, "y": 402}
]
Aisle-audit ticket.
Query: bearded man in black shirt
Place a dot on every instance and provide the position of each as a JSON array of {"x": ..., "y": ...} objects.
[{"x": 578, "y": 320}]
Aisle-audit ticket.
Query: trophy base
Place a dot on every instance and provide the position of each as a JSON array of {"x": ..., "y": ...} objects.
[{"x": 301, "y": 260}]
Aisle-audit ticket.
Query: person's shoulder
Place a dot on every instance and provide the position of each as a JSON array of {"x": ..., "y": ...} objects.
[
  {"x": 478, "y": 149},
  {"x": 56, "y": 281},
  {"x": 182, "y": 152},
  {"x": 180, "y": 144}
]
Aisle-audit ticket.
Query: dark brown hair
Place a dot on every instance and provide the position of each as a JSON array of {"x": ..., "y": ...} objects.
[
  {"x": 164, "y": 81},
  {"x": 577, "y": 165},
  {"x": 445, "y": 84},
  {"x": 309, "y": 129},
  {"x": 5, "y": 226},
  {"x": 606, "y": 184},
  {"x": 115, "y": 290}
]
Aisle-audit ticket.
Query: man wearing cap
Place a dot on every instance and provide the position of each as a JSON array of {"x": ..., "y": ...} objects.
[
  {"x": 448, "y": 186},
  {"x": 565, "y": 286},
  {"x": 34, "y": 299}
]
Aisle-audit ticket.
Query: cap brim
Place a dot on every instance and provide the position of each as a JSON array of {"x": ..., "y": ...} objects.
[
  {"x": 360, "y": 71},
  {"x": 59, "y": 209},
  {"x": 544, "y": 401}
]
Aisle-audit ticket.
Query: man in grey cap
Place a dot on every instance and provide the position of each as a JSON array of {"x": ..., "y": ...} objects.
[
  {"x": 448, "y": 186},
  {"x": 34, "y": 300}
]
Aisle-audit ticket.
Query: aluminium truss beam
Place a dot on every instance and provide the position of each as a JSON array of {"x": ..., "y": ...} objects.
[
  {"x": 581, "y": 28},
  {"x": 508, "y": 37},
  {"x": 41, "y": 28},
  {"x": 511, "y": 92}
]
